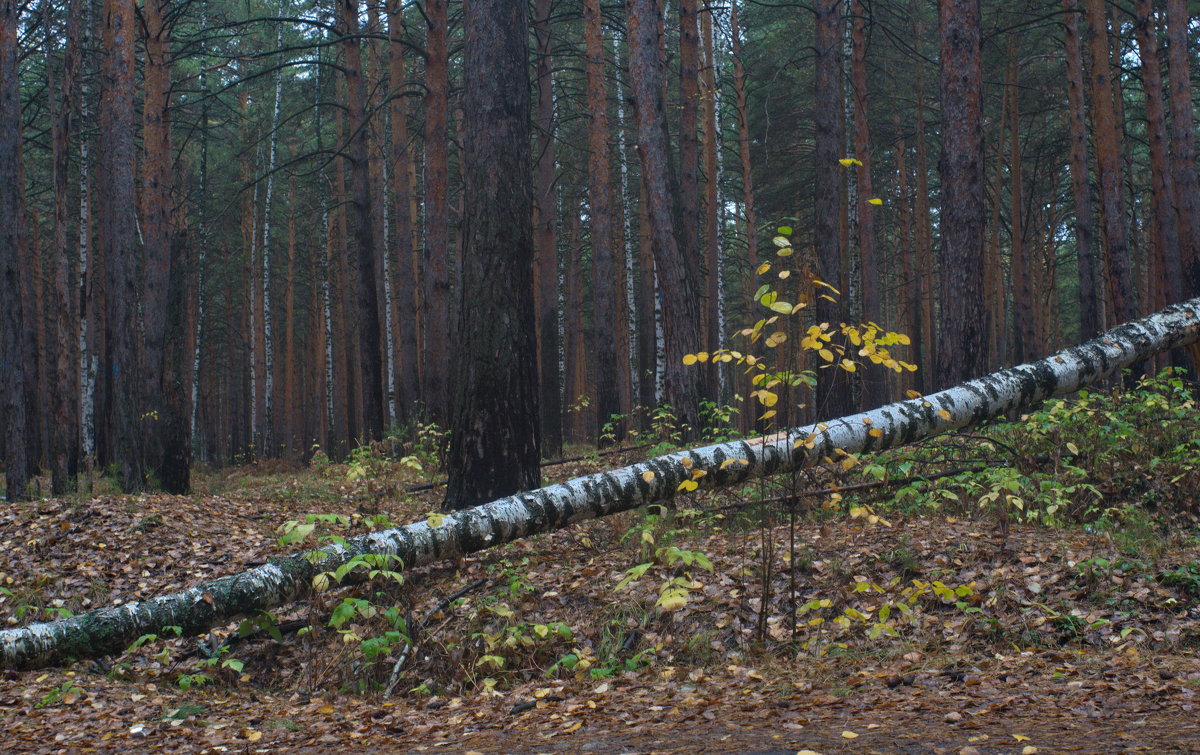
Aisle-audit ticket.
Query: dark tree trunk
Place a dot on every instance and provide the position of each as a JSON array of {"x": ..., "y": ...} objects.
[
  {"x": 364, "y": 223},
  {"x": 164, "y": 424},
  {"x": 962, "y": 349},
  {"x": 12, "y": 235},
  {"x": 1108, "y": 164},
  {"x": 833, "y": 389},
  {"x": 1090, "y": 276},
  {"x": 714, "y": 315},
  {"x": 545, "y": 238},
  {"x": 872, "y": 381},
  {"x": 676, "y": 274},
  {"x": 435, "y": 319},
  {"x": 600, "y": 214},
  {"x": 494, "y": 438},
  {"x": 407, "y": 272},
  {"x": 64, "y": 312},
  {"x": 1183, "y": 144},
  {"x": 750, "y": 231},
  {"x": 1167, "y": 282},
  {"x": 1024, "y": 296},
  {"x": 119, "y": 246},
  {"x": 688, "y": 199}
]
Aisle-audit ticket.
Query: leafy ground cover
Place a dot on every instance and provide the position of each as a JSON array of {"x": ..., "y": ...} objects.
[{"x": 1046, "y": 600}]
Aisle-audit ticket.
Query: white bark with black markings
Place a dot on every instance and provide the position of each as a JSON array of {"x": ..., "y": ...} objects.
[{"x": 1004, "y": 393}]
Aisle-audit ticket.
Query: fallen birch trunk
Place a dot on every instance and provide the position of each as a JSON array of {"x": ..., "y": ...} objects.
[{"x": 1002, "y": 393}]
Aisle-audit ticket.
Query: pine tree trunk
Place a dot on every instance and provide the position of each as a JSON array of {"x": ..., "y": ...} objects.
[
  {"x": 1091, "y": 319},
  {"x": 12, "y": 235},
  {"x": 600, "y": 218},
  {"x": 833, "y": 389},
  {"x": 435, "y": 319},
  {"x": 750, "y": 230},
  {"x": 1167, "y": 283},
  {"x": 120, "y": 253},
  {"x": 545, "y": 238},
  {"x": 1108, "y": 163},
  {"x": 407, "y": 275},
  {"x": 962, "y": 349},
  {"x": 871, "y": 381},
  {"x": 495, "y": 446},
  {"x": 676, "y": 274},
  {"x": 1183, "y": 144},
  {"x": 1023, "y": 289},
  {"x": 64, "y": 312},
  {"x": 364, "y": 224}
]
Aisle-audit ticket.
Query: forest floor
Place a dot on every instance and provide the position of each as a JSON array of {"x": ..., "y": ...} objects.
[{"x": 944, "y": 632}]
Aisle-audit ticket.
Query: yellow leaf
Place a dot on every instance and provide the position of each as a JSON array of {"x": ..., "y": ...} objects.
[
  {"x": 688, "y": 486},
  {"x": 689, "y": 359},
  {"x": 1029, "y": 750},
  {"x": 573, "y": 727},
  {"x": 698, "y": 473},
  {"x": 808, "y": 752},
  {"x": 768, "y": 398},
  {"x": 849, "y": 734},
  {"x": 913, "y": 394},
  {"x": 875, "y": 201},
  {"x": 764, "y": 267},
  {"x": 944, "y": 414},
  {"x": 848, "y": 161},
  {"x": 435, "y": 519},
  {"x": 875, "y": 432},
  {"x": 1073, "y": 448},
  {"x": 784, "y": 274},
  {"x": 672, "y": 600},
  {"x": 648, "y": 476},
  {"x": 702, "y": 356},
  {"x": 1020, "y": 737},
  {"x": 857, "y": 511},
  {"x": 848, "y": 365},
  {"x": 767, "y": 414},
  {"x": 826, "y": 354}
]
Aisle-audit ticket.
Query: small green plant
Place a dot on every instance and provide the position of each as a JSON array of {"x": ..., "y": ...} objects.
[{"x": 67, "y": 692}]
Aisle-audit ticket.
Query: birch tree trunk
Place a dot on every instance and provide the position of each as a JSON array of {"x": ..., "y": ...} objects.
[{"x": 1007, "y": 392}]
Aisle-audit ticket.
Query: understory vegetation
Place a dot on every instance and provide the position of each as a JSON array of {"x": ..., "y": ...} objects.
[{"x": 1072, "y": 526}]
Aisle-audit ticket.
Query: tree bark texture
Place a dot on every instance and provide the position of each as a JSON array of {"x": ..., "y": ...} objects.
[
  {"x": 1108, "y": 165},
  {"x": 1167, "y": 284},
  {"x": 962, "y": 348},
  {"x": 545, "y": 237},
  {"x": 833, "y": 394},
  {"x": 681, "y": 305},
  {"x": 494, "y": 434},
  {"x": 119, "y": 247},
  {"x": 368, "y": 326},
  {"x": 1183, "y": 144},
  {"x": 164, "y": 416},
  {"x": 408, "y": 267},
  {"x": 1091, "y": 320},
  {"x": 12, "y": 235},
  {"x": 435, "y": 280},
  {"x": 603, "y": 238},
  {"x": 1005, "y": 393}
]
